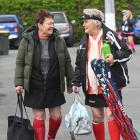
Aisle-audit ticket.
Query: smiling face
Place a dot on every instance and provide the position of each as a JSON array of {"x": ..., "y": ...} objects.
[
  {"x": 90, "y": 26},
  {"x": 47, "y": 27}
]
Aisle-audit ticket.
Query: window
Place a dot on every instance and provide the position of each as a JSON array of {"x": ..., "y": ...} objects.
[
  {"x": 7, "y": 19},
  {"x": 59, "y": 18}
]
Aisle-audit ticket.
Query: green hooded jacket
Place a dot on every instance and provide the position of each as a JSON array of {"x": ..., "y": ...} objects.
[{"x": 24, "y": 58}]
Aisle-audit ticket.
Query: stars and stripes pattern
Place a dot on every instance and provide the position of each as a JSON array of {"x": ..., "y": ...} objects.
[{"x": 111, "y": 95}]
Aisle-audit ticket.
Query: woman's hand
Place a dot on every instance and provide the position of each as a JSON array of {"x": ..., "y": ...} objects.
[
  {"x": 76, "y": 89},
  {"x": 110, "y": 59},
  {"x": 19, "y": 89},
  {"x": 69, "y": 90}
]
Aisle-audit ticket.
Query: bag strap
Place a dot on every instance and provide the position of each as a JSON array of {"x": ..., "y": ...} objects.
[
  {"x": 78, "y": 98},
  {"x": 20, "y": 104}
]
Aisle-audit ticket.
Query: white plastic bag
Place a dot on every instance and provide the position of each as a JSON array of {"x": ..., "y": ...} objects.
[{"x": 77, "y": 119}]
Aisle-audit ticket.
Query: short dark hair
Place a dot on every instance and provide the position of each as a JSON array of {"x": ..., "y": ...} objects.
[{"x": 41, "y": 15}]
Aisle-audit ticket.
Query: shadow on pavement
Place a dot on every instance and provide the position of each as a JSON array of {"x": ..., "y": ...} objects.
[{"x": 1, "y": 97}]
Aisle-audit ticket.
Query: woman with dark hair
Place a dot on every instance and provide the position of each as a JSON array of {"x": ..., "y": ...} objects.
[
  {"x": 42, "y": 63},
  {"x": 96, "y": 37}
]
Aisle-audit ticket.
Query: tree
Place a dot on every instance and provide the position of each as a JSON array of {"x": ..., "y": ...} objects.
[{"x": 26, "y": 9}]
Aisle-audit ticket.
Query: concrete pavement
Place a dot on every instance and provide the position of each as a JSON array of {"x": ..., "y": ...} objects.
[{"x": 131, "y": 95}]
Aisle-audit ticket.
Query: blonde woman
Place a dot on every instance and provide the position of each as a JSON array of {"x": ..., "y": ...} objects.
[
  {"x": 127, "y": 28},
  {"x": 96, "y": 34}
]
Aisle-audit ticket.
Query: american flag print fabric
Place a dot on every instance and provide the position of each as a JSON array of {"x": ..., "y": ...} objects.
[{"x": 111, "y": 95}]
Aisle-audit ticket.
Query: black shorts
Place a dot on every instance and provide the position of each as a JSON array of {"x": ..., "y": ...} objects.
[
  {"x": 94, "y": 100},
  {"x": 126, "y": 35},
  {"x": 39, "y": 99}
]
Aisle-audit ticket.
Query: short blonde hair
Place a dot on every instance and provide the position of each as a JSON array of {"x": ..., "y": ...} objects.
[
  {"x": 128, "y": 13},
  {"x": 94, "y": 12}
]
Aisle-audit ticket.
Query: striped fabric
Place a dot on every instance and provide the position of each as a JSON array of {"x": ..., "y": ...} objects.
[{"x": 110, "y": 92}]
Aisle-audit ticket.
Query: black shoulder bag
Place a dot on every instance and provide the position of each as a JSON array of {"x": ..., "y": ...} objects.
[{"x": 20, "y": 128}]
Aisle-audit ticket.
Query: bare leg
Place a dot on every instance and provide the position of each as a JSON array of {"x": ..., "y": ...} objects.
[
  {"x": 39, "y": 123},
  {"x": 98, "y": 123},
  {"x": 54, "y": 121}
]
